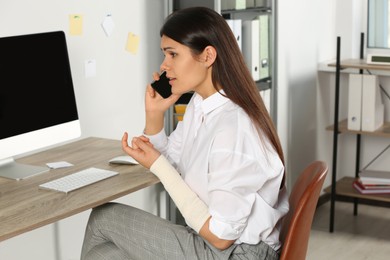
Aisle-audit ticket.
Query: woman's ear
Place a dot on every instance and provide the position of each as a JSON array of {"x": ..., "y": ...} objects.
[{"x": 210, "y": 54}]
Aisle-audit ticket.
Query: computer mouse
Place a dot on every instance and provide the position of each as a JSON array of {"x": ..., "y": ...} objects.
[{"x": 124, "y": 159}]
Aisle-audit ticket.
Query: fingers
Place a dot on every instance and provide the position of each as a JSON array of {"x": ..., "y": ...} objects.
[
  {"x": 141, "y": 144},
  {"x": 173, "y": 98},
  {"x": 124, "y": 140},
  {"x": 156, "y": 76},
  {"x": 144, "y": 138},
  {"x": 125, "y": 146},
  {"x": 150, "y": 153},
  {"x": 150, "y": 91}
]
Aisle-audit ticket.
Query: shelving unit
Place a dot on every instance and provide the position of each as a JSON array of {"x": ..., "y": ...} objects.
[
  {"x": 343, "y": 186},
  {"x": 250, "y": 14}
]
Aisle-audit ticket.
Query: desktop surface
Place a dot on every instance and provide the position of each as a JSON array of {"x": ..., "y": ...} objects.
[{"x": 24, "y": 206}]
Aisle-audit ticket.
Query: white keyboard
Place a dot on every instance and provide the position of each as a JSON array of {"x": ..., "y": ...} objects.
[{"x": 78, "y": 180}]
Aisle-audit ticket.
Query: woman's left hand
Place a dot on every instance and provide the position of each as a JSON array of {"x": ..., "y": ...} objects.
[{"x": 141, "y": 149}]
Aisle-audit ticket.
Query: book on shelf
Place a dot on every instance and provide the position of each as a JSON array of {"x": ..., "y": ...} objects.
[
  {"x": 355, "y": 88},
  {"x": 255, "y": 46},
  {"x": 251, "y": 46},
  {"x": 264, "y": 62},
  {"x": 371, "y": 188},
  {"x": 372, "y": 106},
  {"x": 236, "y": 27},
  {"x": 374, "y": 177}
]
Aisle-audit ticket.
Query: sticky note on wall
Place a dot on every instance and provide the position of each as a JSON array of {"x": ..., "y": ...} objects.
[
  {"x": 75, "y": 24},
  {"x": 132, "y": 43}
]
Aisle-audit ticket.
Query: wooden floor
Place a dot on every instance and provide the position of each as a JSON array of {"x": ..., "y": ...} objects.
[{"x": 365, "y": 236}]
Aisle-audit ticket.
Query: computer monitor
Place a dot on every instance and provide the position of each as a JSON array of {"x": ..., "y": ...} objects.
[{"x": 37, "y": 100}]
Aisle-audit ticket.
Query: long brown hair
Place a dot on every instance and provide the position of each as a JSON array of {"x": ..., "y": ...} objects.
[{"x": 199, "y": 27}]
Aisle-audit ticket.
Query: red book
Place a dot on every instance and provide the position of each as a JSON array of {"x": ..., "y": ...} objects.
[
  {"x": 372, "y": 190},
  {"x": 373, "y": 186}
]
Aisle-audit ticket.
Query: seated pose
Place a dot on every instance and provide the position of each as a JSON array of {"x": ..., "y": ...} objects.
[{"x": 223, "y": 165}]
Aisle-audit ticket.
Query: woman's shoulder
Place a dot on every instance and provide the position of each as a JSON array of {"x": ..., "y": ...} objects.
[{"x": 233, "y": 114}]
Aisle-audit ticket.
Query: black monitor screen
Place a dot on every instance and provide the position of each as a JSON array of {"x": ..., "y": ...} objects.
[{"x": 36, "y": 88}]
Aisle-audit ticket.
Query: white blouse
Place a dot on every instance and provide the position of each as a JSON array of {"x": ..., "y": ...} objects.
[{"x": 218, "y": 152}]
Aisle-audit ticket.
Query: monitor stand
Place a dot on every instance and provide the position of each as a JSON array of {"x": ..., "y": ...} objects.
[{"x": 17, "y": 171}]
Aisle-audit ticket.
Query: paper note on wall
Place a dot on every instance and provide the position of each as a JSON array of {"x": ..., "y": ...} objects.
[
  {"x": 90, "y": 68},
  {"x": 132, "y": 43},
  {"x": 108, "y": 25},
  {"x": 75, "y": 24}
]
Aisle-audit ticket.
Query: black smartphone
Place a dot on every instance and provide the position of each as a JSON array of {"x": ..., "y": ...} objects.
[{"x": 162, "y": 86}]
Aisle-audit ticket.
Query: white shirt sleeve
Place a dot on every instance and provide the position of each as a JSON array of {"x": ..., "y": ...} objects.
[{"x": 170, "y": 146}]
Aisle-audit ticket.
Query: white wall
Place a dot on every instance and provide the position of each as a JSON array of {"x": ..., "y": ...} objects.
[
  {"x": 307, "y": 35},
  {"x": 108, "y": 104}
]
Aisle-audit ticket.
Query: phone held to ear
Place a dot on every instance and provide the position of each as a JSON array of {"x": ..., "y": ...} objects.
[{"x": 162, "y": 86}]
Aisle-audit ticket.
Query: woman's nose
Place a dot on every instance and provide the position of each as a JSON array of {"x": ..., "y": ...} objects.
[{"x": 164, "y": 65}]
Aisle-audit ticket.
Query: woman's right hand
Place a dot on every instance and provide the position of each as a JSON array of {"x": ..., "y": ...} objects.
[
  {"x": 154, "y": 102},
  {"x": 155, "y": 107}
]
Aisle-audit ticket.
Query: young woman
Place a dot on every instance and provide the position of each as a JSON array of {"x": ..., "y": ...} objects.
[{"x": 223, "y": 165}]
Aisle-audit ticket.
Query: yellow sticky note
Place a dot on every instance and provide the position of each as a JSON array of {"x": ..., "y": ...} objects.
[
  {"x": 132, "y": 43},
  {"x": 75, "y": 24}
]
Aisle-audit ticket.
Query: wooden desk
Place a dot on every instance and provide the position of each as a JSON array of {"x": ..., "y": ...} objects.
[{"x": 24, "y": 207}]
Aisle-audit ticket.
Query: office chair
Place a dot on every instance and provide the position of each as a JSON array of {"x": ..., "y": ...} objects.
[{"x": 303, "y": 200}]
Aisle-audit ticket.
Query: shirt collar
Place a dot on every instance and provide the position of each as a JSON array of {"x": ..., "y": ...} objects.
[{"x": 211, "y": 103}]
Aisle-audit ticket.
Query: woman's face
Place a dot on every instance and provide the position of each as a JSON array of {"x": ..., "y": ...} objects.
[{"x": 186, "y": 72}]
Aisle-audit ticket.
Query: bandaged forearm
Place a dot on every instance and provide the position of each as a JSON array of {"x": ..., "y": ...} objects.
[{"x": 193, "y": 209}]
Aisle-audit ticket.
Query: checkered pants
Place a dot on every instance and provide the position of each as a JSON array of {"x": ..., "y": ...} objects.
[{"x": 117, "y": 231}]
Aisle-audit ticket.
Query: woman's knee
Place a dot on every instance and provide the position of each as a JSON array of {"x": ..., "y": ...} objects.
[
  {"x": 111, "y": 210},
  {"x": 102, "y": 212}
]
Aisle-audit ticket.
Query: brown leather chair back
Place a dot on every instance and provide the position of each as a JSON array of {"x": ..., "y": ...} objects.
[{"x": 303, "y": 200}]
